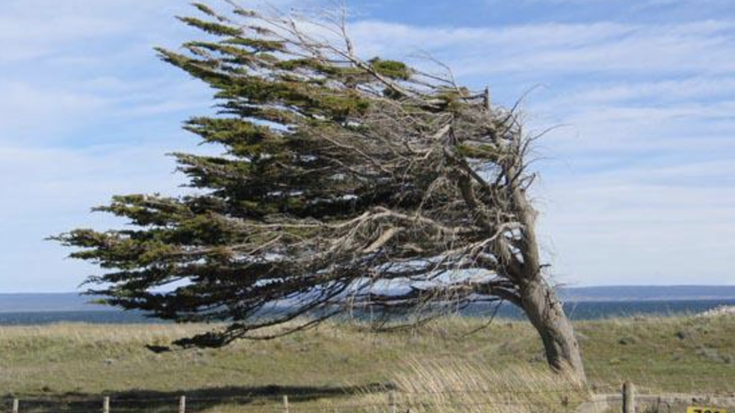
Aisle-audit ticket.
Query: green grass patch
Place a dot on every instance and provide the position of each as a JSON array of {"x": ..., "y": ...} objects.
[{"x": 336, "y": 363}]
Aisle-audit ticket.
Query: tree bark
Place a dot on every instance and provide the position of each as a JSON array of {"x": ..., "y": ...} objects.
[
  {"x": 539, "y": 300},
  {"x": 544, "y": 310}
]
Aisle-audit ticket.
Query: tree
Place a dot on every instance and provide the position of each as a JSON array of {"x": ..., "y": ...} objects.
[{"x": 345, "y": 182}]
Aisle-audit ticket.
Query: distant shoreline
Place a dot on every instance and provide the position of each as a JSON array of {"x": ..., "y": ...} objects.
[
  {"x": 93, "y": 308},
  {"x": 51, "y": 302},
  {"x": 580, "y": 310}
]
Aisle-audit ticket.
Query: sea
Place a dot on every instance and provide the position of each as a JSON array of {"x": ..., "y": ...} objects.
[{"x": 585, "y": 310}]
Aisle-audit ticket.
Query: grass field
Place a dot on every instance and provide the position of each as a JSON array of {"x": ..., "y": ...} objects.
[{"x": 337, "y": 363}]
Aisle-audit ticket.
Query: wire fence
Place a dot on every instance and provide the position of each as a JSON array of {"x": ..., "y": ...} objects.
[
  {"x": 393, "y": 402},
  {"x": 562, "y": 399}
]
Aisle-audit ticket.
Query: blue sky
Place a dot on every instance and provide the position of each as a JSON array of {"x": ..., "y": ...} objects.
[{"x": 638, "y": 183}]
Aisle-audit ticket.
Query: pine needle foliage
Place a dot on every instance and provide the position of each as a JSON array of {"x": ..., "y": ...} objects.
[{"x": 343, "y": 182}]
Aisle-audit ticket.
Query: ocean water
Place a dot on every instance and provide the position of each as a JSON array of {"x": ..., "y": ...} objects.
[
  {"x": 589, "y": 310},
  {"x": 594, "y": 310},
  {"x": 91, "y": 316}
]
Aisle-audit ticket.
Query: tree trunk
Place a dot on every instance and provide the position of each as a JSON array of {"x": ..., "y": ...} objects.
[
  {"x": 539, "y": 301},
  {"x": 545, "y": 312}
]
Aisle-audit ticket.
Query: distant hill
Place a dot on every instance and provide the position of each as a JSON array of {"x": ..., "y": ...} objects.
[{"x": 75, "y": 302}]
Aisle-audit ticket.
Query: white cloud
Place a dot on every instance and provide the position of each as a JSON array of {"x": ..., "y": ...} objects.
[
  {"x": 643, "y": 225},
  {"x": 692, "y": 89},
  {"x": 30, "y": 111},
  {"x": 638, "y": 187},
  {"x": 47, "y": 191},
  {"x": 82, "y": 99},
  {"x": 638, "y": 3},
  {"x": 544, "y": 49},
  {"x": 28, "y": 39}
]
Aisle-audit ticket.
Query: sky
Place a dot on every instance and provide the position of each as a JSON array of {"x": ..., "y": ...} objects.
[{"x": 637, "y": 177}]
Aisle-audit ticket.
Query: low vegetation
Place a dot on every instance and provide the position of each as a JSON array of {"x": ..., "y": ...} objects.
[
  {"x": 341, "y": 364},
  {"x": 463, "y": 386}
]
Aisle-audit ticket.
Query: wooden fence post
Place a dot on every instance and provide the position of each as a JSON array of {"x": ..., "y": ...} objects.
[
  {"x": 106, "y": 405},
  {"x": 16, "y": 405},
  {"x": 285, "y": 404},
  {"x": 392, "y": 402},
  {"x": 628, "y": 397},
  {"x": 182, "y": 404}
]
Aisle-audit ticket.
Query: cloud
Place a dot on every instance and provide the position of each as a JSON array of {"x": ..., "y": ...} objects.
[
  {"x": 87, "y": 112},
  {"x": 691, "y": 89},
  {"x": 547, "y": 49},
  {"x": 50, "y": 190},
  {"x": 30, "y": 111},
  {"x": 41, "y": 28},
  {"x": 637, "y": 189},
  {"x": 78, "y": 176},
  {"x": 639, "y": 3},
  {"x": 648, "y": 224}
]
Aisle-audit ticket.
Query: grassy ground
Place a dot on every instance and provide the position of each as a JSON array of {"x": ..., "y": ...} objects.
[{"x": 338, "y": 363}]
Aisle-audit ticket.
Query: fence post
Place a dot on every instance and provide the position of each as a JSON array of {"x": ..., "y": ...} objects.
[
  {"x": 628, "y": 397},
  {"x": 182, "y": 404},
  {"x": 392, "y": 402},
  {"x": 16, "y": 405},
  {"x": 106, "y": 405},
  {"x": 285, "y": 404}
]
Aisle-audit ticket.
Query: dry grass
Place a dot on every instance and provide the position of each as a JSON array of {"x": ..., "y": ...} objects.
[
  {"x": 330, "y": 367},
  {"x": 456, "y": 385},
  {"x": 82, "y": 334}
]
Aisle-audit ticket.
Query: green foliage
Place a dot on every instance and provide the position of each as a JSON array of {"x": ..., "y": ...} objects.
[
  {"x": 243, "y": 138},
  {"x": 258, "y": 45},
  {"x": 292, "y": 124},
  {"x": 204, "y": 9},
  {"x": 211, "y": 27},
  {"x": 391, "y": 68}
]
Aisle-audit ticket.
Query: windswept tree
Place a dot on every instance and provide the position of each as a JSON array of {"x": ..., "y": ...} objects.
[{"x": 344, "y": 183}]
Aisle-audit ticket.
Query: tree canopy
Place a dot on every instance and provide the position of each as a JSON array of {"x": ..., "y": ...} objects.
[{"x": 344, "y": 182}]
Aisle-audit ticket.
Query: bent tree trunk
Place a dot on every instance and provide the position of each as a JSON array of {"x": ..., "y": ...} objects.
[
  {"x": 544, "y": 310},
  {"x": 540, "y": 302}
]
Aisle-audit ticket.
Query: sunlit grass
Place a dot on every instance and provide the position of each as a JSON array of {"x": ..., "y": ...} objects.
[{"x": 341, "y": 364}]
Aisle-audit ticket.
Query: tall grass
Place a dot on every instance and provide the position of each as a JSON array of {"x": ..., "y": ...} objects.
[
  {"x": 658, "y": 354},
  {"x": 460, "y": 385}
]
